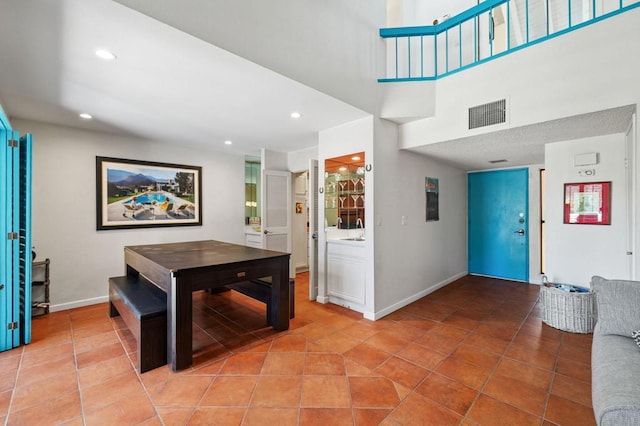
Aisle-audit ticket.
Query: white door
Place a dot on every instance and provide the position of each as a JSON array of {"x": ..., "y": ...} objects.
[
  {"x": 313, "y": 229},
  {"x": 276, "y": 210},
  {"x": 630, "y": 208}
]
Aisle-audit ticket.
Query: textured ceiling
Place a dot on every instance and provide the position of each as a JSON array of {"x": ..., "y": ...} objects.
[{"x": 525, "y": 145}]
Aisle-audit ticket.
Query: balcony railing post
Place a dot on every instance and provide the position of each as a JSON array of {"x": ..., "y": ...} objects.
[
  {"x": 396, "y": 57},
  {"x": 422, "y": 56},
  {"x": 460, "y": 44},
  {"x": 569, "y": 14},
  {"x": 409, "y": 57},
  {"x": 508, "y": 21},
  {"x": 526, "y": 14},
  {"x": 435, "y": 55}
]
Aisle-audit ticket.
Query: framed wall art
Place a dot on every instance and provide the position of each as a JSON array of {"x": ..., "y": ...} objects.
[
  {"x": 432, "y": 202},
  {"x": 587, "y": 203},
  {"x": 144, "y": 194}
]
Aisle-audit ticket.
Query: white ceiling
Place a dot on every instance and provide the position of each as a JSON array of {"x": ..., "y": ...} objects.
[
  {"x": 525, "y": 145},
  {"x": 165, "y": 84}
]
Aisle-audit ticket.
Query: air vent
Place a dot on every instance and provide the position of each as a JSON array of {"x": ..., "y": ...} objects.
[{"x": 488, "y": 114}]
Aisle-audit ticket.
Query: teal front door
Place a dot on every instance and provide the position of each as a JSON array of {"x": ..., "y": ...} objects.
[{"x": 498, "y": 224}]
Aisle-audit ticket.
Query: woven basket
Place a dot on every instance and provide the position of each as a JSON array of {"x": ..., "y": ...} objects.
[{"x": 568, "y": 311}]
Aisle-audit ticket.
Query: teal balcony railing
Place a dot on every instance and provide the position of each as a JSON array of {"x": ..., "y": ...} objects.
[{"x": 487, "y": 31}]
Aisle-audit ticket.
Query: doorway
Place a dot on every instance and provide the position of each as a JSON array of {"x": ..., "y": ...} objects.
[
  {"x": 498, "y": 224},
  {"x": 300, "y": 223}
]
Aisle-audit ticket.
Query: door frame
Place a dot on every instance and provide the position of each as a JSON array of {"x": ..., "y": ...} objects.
[{"x": 530, "y": 218}]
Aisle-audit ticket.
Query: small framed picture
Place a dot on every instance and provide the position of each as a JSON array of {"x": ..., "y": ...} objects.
[
  {"x": 299, "y": 208},
  {"x": 432, "y": 192},
  {"x": 587, "y": 203}
]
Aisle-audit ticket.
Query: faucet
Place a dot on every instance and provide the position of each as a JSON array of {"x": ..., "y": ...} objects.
[{"x": 339, "y": 223}]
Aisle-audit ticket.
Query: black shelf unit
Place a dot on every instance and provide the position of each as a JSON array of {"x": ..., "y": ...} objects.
[{"x": 40, "y": 273}]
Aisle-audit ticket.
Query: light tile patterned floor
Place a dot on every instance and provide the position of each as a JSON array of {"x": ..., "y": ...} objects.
[{"x": 474, "y": 353}]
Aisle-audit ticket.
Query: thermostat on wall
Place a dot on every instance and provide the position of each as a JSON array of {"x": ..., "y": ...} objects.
[
  {"x": 588, "y": 159},
  {"x": 587, "y": 172}
]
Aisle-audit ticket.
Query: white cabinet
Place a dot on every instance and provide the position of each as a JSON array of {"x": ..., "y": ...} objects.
[
  {"x": 253, "y": 240},
  {"x": 346, "y": 276}
]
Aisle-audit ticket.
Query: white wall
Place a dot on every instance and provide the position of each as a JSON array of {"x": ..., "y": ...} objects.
[
  {"x": 331, "y": 45},
  {"x": 574, "y": 253},
  {"x": 540, "y": 83},
  {"x": 298, "y": 161},
  {"x": 414, "y": 259},
  {"x": 64, "y": 206}
]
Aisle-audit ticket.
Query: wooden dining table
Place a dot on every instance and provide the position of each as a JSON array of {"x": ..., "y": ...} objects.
[{"x": 184, "y": 267}]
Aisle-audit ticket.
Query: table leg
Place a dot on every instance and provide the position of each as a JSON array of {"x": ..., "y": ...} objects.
[
  {"x": 179, "y": 319},
  {"x": 280, "y": 297}
]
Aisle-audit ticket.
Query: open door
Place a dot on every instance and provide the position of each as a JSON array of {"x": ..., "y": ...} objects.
[
  {"x": 6, "y": 245},
  {"x": 15, "y": 234},
  {"x": 276, "y": 210},
  {"x": 313, "y": 229}
]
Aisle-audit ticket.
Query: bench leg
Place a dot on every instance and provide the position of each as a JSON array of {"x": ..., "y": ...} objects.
[
  {"x": 113, "y": 312},
  {"x": 152, "y": 346}
]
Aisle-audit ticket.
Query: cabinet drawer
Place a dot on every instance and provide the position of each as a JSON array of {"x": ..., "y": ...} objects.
[{"x": 253, "y": 240}]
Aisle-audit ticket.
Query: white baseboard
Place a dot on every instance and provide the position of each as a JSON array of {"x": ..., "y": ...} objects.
[
  {"x": 78, "y": 304},
  {"x": 404, "y": 302}
]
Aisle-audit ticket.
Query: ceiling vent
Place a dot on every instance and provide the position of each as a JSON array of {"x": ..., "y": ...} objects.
[{"x": 488, "y": 114}]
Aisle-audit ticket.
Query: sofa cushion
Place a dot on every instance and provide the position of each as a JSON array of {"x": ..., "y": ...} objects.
[
  {"x": 615, "y": 379},
  {"x": 618, "y": 303}
]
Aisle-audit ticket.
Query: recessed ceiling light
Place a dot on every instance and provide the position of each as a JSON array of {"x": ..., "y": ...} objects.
[
  {"x": 295, "y": 115},
  {"x": 86, "y": 116},
  {"x": 355, "y": 158},
  {"x": 343, "y": 169},
  {"x": 105, "y": 54},
  {"x": 228, "y": 142}
]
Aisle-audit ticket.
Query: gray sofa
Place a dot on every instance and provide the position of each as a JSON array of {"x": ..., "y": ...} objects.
[{"x": 615, "y": 356}]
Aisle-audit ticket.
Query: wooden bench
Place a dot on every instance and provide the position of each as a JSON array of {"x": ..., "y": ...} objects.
[
  {"x": 143, "y": 307},
  {"x": 260, "y": 289}
]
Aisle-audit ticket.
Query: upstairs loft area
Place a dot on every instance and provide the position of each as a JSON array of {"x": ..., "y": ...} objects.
[{"x": 491, "y": 29}]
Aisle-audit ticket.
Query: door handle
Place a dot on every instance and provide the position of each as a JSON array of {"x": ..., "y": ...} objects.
[
  {"x": 314, "y": 235},
  {"x": 266, "y": 232},
  {"x": 519, "y": 232}
]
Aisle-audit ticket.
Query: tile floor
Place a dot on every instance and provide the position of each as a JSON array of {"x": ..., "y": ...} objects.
[{"x": 474, "y": 352}]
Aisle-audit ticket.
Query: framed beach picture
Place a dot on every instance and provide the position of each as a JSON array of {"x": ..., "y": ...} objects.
[
  {"x": 144, "y": 194},
  {"x": 587, "y": 203}
]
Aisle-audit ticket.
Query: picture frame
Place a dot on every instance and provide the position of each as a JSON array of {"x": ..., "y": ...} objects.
[
  {"x": 145, "y": 194},
  {"x": 432, "y": 191},
  {"x": 587, "y": 203}
]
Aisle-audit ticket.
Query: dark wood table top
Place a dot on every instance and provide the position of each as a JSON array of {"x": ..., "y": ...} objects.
[{"x": 199, "y": 254}]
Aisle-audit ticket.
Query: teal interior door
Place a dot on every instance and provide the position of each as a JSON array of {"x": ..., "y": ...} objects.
[
  {"x": 24, "y": 232},
  {"x": 15, "y": 237},
  {"x": 8, "y": 315},
  {"x": 498, "y": 231}
]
